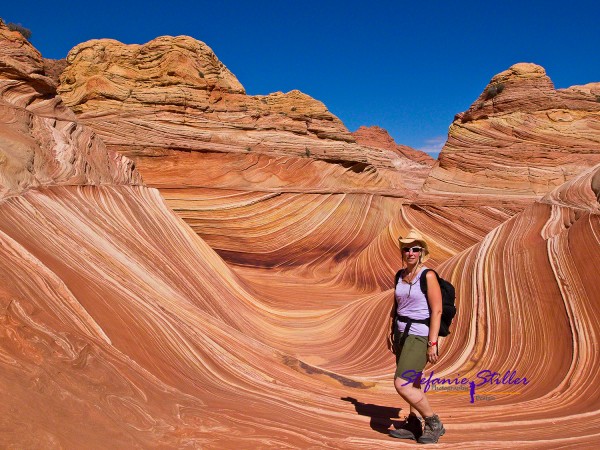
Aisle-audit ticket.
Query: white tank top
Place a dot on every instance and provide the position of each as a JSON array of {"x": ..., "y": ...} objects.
[{"x": 411, "y": 302}]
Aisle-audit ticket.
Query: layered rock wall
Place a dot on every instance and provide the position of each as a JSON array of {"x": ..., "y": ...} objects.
[
  {"x": 521, "y": 137},
  {"x": 172, "y": 99},
  {"x": 41, "y": 144},
  {"x": 416, "y": 164},
  {"x": 378, "y": 137},
  {"x": 531, "y": 279}
]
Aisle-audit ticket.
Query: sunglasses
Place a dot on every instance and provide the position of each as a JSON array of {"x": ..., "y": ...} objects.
[{"x": 412, "y": 249}]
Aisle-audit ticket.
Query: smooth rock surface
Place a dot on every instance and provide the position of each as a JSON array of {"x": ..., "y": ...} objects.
[
  {"x": 534, "y": 278},
  {"x": 413, "y": 174},
  {"x": 378, "y": 137}
]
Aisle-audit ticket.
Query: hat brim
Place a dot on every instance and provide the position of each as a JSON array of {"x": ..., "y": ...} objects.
[{"x": 411, "y": 240}]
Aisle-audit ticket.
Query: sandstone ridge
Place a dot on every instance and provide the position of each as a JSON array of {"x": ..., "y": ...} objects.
[
  {"x": 171, "y": 99},
  {"x": 40, "y": 140},
  {"x": 378, "y": 137},
  {"x": 521, "y": 137}
]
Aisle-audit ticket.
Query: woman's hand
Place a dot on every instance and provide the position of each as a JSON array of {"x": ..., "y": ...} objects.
[{"x": 432, "y": 354}]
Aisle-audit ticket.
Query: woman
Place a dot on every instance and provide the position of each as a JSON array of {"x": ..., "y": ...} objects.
[{"x": 420, "y": 344}]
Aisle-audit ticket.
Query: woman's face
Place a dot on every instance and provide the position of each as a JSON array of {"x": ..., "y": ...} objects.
[{"x": 411, "y": 253}]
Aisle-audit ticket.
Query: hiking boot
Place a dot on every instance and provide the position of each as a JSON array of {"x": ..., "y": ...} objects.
[
  {"x": 433, "y": 430},
  {"x": 411, "y": 428}
]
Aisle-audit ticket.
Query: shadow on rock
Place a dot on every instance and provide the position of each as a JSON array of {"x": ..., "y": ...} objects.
[{"x": 382, "y": 417}]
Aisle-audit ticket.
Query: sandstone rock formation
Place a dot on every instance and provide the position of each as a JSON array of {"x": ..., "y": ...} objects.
[
  {"x": 520, "y": 137},
  {"x": 259, "y": 320},
  {"x": 171, "y": 102},
  {"x": 531, "y": 279},
  {"x": 413, "y": 174},
  {"x": 53, "y": 68},
  {"x": 40, "y": 142},
  {"x": 378, "y": 137}
]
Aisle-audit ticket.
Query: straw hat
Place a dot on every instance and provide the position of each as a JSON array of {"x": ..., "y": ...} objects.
[{"x": 414, "y": 237}]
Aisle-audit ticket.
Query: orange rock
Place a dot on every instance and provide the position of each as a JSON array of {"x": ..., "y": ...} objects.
[
  {"x": 40, "y": 142},
  {"x": 414, "y": 175},
  {"x": 378, "y": 137},
  {"x": 532, "y": 278},
  {"x": 521, "y": 137},
  {"x": 172, "y": 97}
]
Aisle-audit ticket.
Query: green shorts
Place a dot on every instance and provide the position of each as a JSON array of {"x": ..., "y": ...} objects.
[{"x": 410, "y": 356}]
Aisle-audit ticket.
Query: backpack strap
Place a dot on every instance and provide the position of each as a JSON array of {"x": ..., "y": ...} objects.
[
  {"x": 423, "y": 282},
  {"x": 448, "y": 307},
  {"x": 397, "y": 278}
]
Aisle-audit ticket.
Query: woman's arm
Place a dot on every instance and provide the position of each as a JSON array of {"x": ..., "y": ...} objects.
[{"x": 434, "y": 297}]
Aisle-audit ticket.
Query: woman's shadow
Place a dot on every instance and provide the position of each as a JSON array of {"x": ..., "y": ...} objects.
[{"x": 382, "y": 417}]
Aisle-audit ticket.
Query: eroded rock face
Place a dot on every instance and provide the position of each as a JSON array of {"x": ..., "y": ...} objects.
[
  {"x": 53, "y": 68},
  {"x": 414, "y": 164},
  {"x": 165, "y": 71},
  {"x": 22, "y": 70},
  {"x": 520, "y": 137},
  {"x": 172, "y": 99},
  {"x": 378, "y": 137},
  {"x": 40, "y": 142},
  {"x": 533, "y": 278}
]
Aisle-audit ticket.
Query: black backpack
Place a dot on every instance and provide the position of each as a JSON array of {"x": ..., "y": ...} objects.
[{"x": 448, "y": 306}]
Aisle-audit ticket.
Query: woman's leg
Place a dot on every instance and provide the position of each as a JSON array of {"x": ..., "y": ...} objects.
[
  {"x": 411, "y": 359},
  {"x": 417, "y": 385},
  {"x": 414, "y": 397}
]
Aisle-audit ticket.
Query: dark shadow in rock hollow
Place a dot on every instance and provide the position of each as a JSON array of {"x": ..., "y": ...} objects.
[{"x": 382, "y": 417}]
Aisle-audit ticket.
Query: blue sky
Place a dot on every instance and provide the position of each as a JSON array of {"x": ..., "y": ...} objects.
[{"x": 408, "y": 67}]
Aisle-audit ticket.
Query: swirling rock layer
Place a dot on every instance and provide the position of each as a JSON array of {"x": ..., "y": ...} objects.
[
  {"x": 532, "y": 279},
  {"x": 520, "y": 137},
  {"x": 379, "y": 138},
  {"x": 415, "y": 174},
  {"x": 40, "y": 141}
]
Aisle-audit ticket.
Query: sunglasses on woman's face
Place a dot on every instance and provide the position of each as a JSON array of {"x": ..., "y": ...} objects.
[{"x": 412, "y": 249}]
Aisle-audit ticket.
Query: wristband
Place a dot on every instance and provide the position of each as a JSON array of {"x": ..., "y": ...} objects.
[{"x": 431, "y": 344}]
